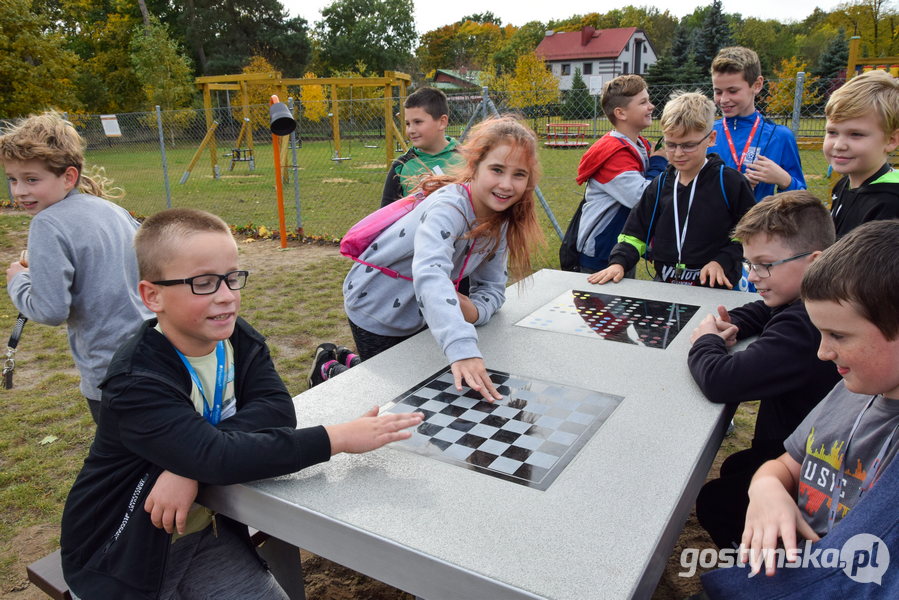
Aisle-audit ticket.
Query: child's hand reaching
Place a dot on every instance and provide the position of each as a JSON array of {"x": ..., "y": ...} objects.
[
  {"x": 474, "y": 373},
  {"x": 766, "y": 170},
  {"x": 170, "y": 500},
  {"x": 612, "y": 273},
  {"x": 714, "y": 273},
  {"x": 370, "y": 432}
]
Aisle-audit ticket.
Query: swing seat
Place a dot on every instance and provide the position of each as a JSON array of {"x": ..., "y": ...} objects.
[{"x": 242, "y": 155}]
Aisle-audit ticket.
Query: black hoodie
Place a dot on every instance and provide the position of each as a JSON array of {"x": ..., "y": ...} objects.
[{"x": 148, "y": 424}]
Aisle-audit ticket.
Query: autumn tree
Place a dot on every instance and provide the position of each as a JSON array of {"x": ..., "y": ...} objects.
[
  {"x": 165, "y": 73},
  {"x": 523, "y": 40},
  {"x": 36, "y": 71},
  {"x": 782, "y": 87},
  {"x": 531, "y": 86},
  {"x": 875, "y": 21},
  {"x": 313, "y": 101}
]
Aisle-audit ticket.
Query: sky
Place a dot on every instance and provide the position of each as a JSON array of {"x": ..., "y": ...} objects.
[{"x": 431, "y": 14}]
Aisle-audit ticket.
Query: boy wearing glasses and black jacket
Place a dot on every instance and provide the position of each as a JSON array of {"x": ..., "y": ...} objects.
[
  {"x": 192, "y": 397},
  {"x": 682, "y": 222},
  {"x": 781, "y": 238}
]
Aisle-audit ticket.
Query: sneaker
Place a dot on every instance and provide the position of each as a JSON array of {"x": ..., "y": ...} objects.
[
  {"x": 731, "y": 429},
  {"x": 347, "y": 358},
  {"x": 324, "y": 354}
]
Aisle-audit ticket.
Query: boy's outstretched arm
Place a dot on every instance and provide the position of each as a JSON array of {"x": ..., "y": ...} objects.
[
  {"x": 370, "y": 432},
  {"x": 773, "y": 514},
  {"x": 170, "y": 500}
]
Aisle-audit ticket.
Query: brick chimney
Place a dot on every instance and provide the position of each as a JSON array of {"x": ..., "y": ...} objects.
[{"x": 586, "y": 35}]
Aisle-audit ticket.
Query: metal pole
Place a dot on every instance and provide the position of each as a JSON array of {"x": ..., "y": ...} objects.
[
  {"x": 797, "y": 102},
  {"x": 488, "y": 104},
  {"x": 474, "y": 115},
  {"x": 165, "y": 162},
  {"x": 296, "y": 170}
]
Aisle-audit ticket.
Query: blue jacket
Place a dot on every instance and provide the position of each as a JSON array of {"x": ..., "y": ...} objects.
[
  {"x": 874, "y": 515},
  {"x": 771, "y": 140}
]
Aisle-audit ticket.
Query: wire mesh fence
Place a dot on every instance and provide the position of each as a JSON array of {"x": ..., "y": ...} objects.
[{"x": 334, "y": 165}]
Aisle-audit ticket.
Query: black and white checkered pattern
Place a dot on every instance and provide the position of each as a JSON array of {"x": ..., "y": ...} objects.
[{"x": 527, "y": 437}]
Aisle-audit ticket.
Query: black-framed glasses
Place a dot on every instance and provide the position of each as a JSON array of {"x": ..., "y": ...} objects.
[
  {"x": 208, "y": 283},
  {"x": 686, "y": 146},
  {"x": 764, "y": 269}
]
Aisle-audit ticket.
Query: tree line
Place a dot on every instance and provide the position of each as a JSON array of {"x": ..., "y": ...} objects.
[{"x": 114, "y": 56}]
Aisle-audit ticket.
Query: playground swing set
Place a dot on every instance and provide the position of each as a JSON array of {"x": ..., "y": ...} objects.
[{"x": 243, "y": 148}]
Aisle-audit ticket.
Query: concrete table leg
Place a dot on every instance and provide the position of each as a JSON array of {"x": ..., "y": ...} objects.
[{"x": 284, "y": 561}]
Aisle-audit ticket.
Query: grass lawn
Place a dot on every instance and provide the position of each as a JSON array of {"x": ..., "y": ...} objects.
[{"x": 333, "y": 195}]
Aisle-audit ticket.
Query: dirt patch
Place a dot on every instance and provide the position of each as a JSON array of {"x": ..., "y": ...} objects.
[
  {"x": 31, "y": 543},
  {"x": 338, "y": 180}
]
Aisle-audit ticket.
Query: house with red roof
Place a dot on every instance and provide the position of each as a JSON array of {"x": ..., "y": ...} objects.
[{"x": 599, "y": 54}]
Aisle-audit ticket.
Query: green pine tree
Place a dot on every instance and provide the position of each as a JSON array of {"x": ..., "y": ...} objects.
[
  {"x": 578, "y": 104},
  {"x": 712, "y": 36}
]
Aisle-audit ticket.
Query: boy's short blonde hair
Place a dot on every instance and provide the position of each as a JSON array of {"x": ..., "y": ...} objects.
[
  {"x": 874, "y": 91},
  {"x": 861, "y": 270},
  {"x": 687, "y": 112},
  {"x": 737, "y": 59},
  {"x": 797, "y": 218},
  {"x": 158, "y": 238},
  {"x": 618, "y": 92}
]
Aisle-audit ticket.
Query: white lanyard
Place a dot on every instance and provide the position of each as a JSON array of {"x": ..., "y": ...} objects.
[{"x": 680, "y": 236}]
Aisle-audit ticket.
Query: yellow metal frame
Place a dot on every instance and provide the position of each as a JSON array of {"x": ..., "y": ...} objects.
[{"x": 395, "y": 134}]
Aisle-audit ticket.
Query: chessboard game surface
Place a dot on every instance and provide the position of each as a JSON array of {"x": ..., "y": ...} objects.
[
  {"x": 650, "y": 323},
  {"x": 528, "y": 437}
]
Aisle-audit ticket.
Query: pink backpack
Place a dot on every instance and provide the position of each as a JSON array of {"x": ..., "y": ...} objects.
[{"x": 361, "y": 235}]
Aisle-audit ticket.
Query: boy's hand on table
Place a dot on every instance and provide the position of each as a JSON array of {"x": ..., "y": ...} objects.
[
  {"x": 772, "y": 514},
  {"x": 370, "y": 431},
  {"x": 765, "y": 170},
  {"x": 613, "y": 273},
  {"x": 715, "y": 325},
  {"x": 474, "y": 373},
  {"x": 170, "y": 500},
  {"x": 714, "y": 273}
]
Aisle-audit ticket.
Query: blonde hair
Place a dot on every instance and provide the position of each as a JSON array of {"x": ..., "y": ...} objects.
[
  {"x": 874, "y": 91},
  {"x": 618, "y": 92},
  {"x": 49, "y": 138},
  {"x": 523, "y": 232},
  {"x": 737, "y": 59},
  {"x": 156, "y": 242},
  {"x": 687, "y": 112}
]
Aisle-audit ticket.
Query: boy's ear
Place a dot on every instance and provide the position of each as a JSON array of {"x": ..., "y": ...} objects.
[
  {"x": 443, "y": 121},
  {"x": 756, "y": 86},
  {"x": 814, "y": 256},
  {"x": 151, "y": 296},
  {"x": 892, "y": 141},
  {"x": 712, "y": 137},
  {"x": 70, "y": 178},
  {"x": 620, "y": 114}
]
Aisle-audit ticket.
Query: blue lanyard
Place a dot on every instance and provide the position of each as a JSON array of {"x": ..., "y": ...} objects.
[
  {"x": 213, "y": 414},
  {"x": 872, "y": 472}
]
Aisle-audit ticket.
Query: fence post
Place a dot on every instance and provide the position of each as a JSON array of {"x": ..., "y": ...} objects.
[
  {"x": 165, "y": 162},
  {"x": 797, "y": 102},
  {"x": 296, "y": 170}
]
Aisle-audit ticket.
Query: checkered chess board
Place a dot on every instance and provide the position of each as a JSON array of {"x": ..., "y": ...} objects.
[
  {"x": 651, "y": 323},
  {"x": 528, "y": 437}
]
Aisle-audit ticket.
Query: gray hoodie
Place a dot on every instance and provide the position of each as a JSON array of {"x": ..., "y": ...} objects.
[
  {"x": 82, "y": 271},
  {"x": 427, "y": 245}
]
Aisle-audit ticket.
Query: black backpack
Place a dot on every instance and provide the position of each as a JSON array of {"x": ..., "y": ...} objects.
[{"x": 569, "y": 257}]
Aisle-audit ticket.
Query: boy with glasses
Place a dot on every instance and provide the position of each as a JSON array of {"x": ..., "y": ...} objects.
[
  {"x": 192, "y": 397},
  {"x": 683, "y": 220},
  {"x": 781, "y": 237}
]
